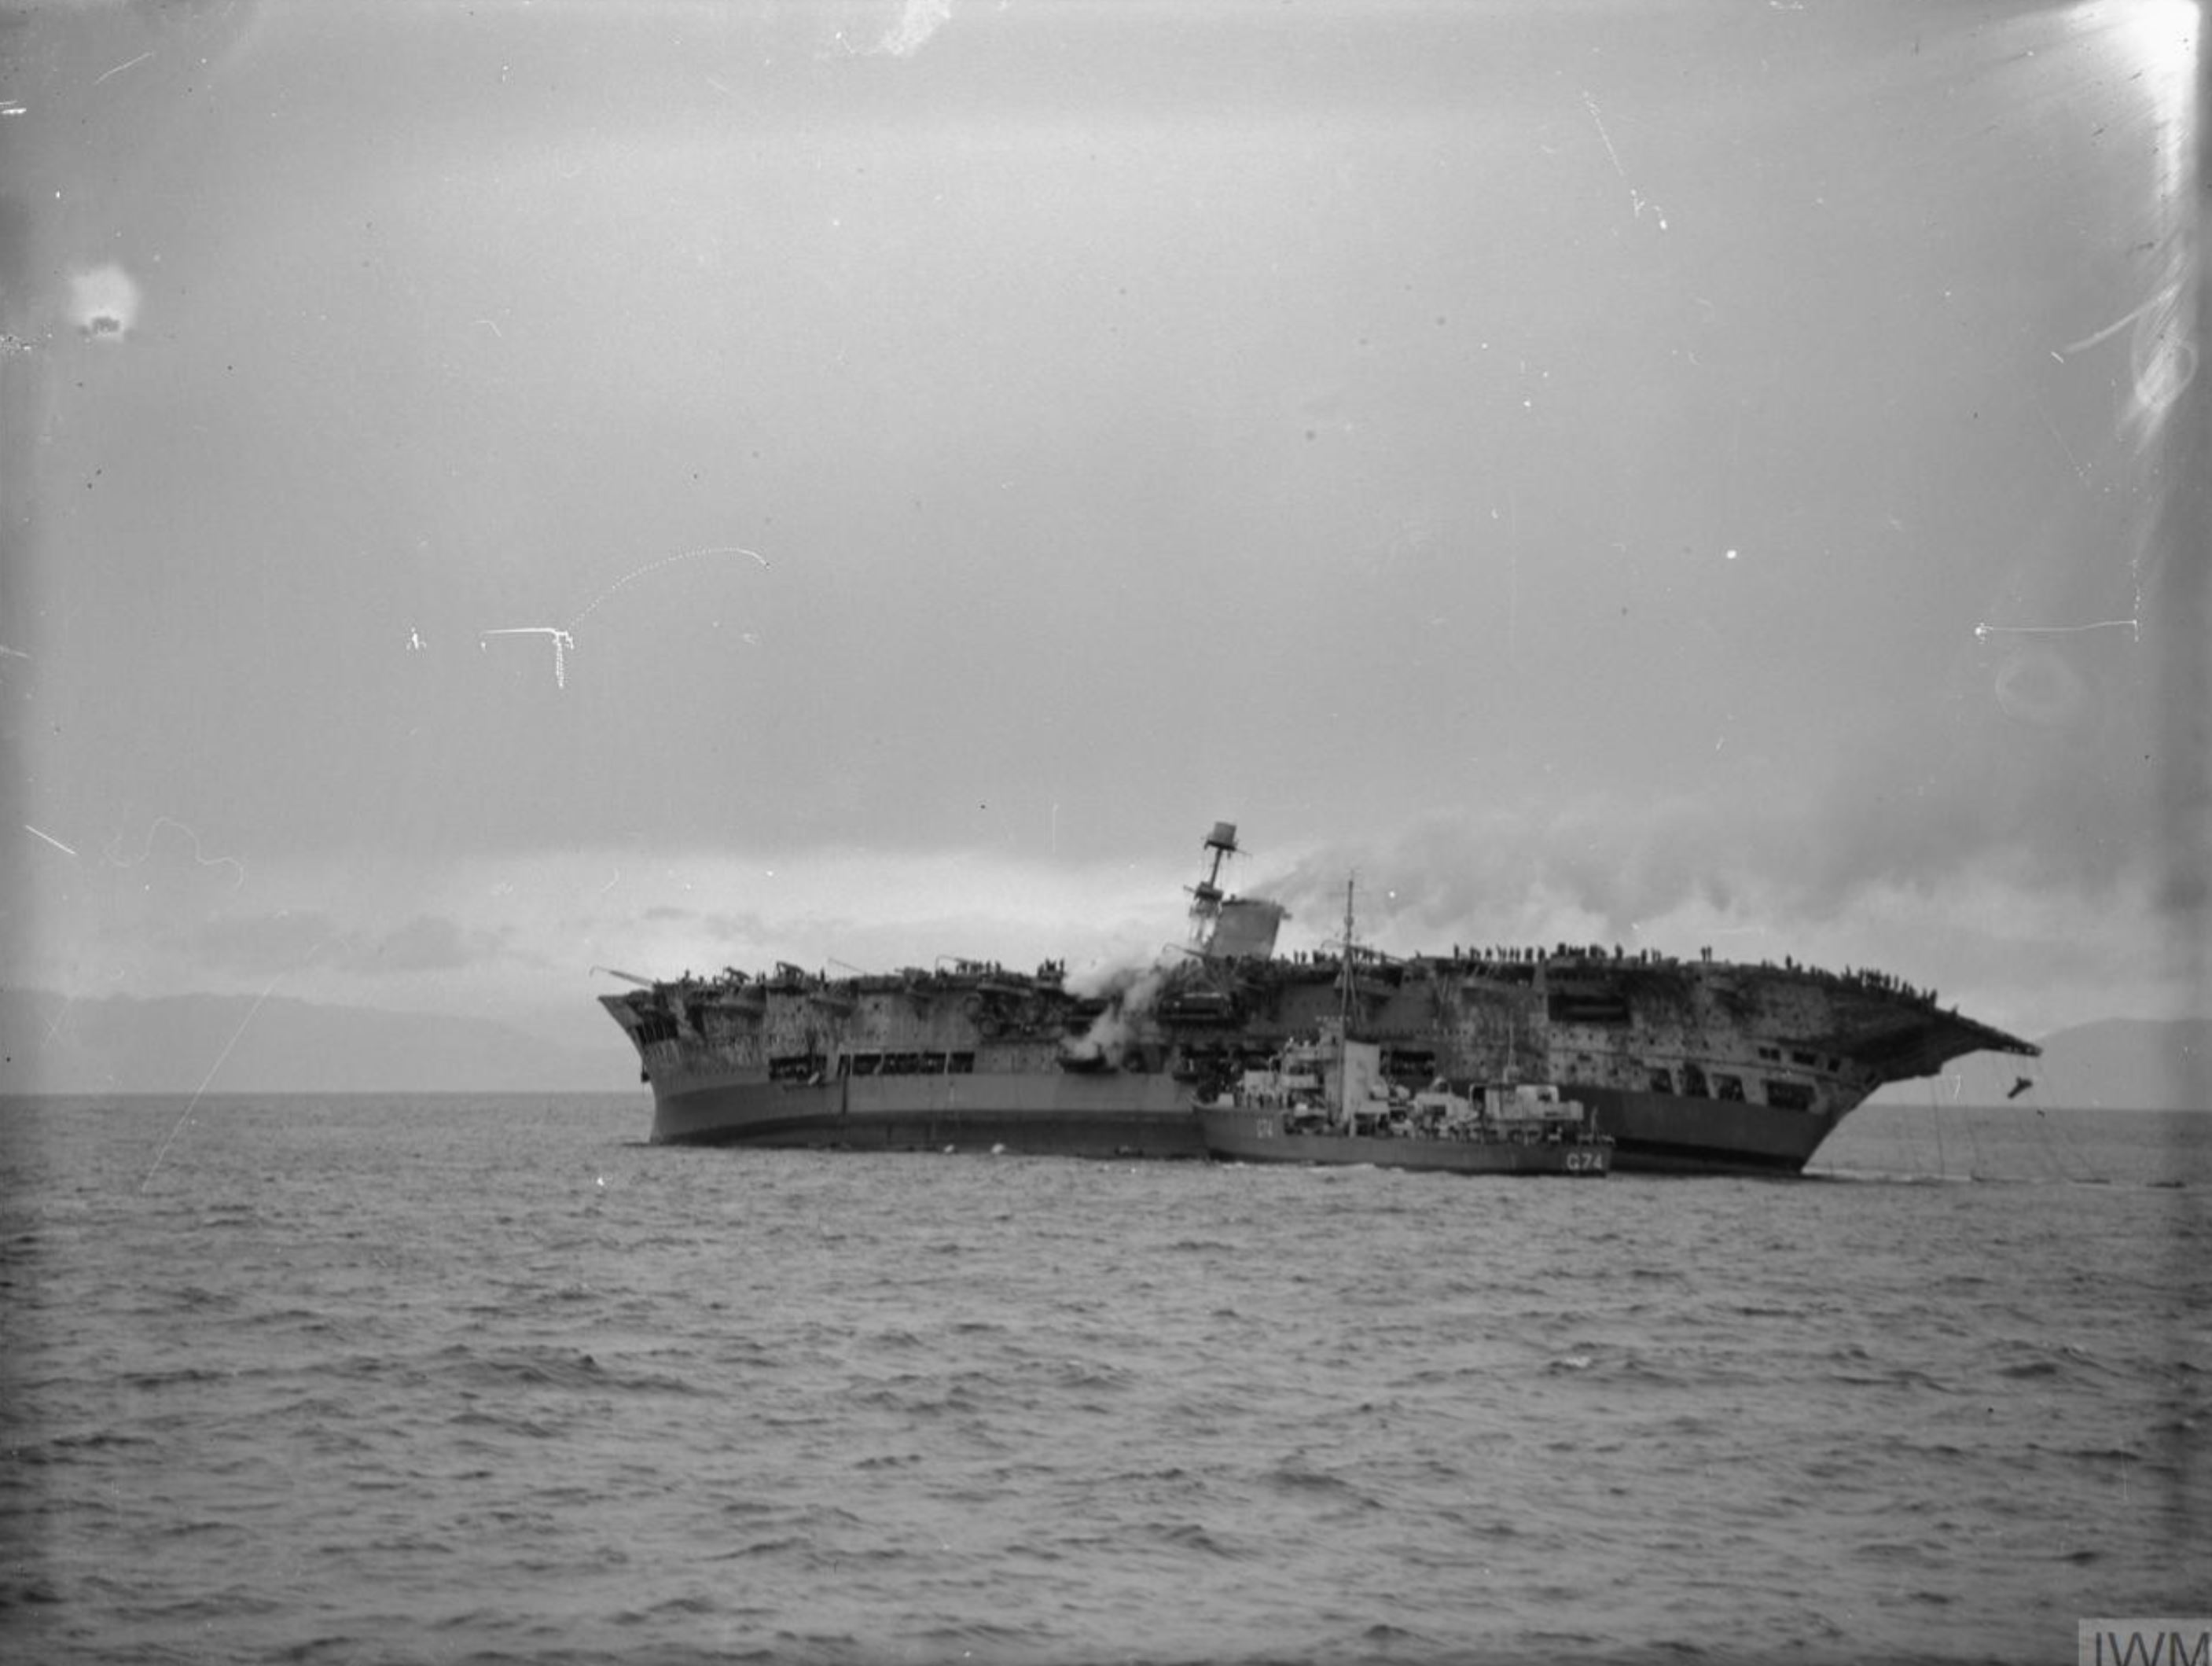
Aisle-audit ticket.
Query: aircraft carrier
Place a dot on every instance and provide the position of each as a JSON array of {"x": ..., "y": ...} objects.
[{"x": 1692, "y": 1065}]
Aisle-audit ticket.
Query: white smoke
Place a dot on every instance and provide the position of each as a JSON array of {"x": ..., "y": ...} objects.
[{"x": 1129, "y": 992}]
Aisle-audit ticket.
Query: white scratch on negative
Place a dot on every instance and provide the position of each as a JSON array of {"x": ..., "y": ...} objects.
[
  {"x": 564, "y": 640},
  {"x": 49, "y": 838},
  {"x": 2114, "y": 327},
  {"x": 1636, "y": 199},
  {"x": 183, "y": 1116},
  {"x": 636, "y": 574},
  {"x": 160, "y": 821},
  {"x": 120, "y": 67},
  {"x": 1986, "y": 631},
  {"x": 2080, "y": 472}
]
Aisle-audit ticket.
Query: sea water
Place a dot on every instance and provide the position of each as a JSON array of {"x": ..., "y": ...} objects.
[{"x": 490, "y": 1379}]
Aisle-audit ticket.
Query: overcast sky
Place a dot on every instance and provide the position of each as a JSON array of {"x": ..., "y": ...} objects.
[{"x": 1670, "y": 474}]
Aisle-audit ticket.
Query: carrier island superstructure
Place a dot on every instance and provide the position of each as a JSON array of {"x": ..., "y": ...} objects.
[{"x": 1691, "y": 1066}]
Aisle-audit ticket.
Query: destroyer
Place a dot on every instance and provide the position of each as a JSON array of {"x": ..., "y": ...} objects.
[
  {"x": 1328, "y": 1102},
  {"x": 1691, "y": 1066}
]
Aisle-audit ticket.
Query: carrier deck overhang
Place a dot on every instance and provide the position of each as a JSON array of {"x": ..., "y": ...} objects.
[{"x": 1898, "y": 1045}]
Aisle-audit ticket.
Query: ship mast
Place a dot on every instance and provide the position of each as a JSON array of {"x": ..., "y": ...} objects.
[
  {"x": 1205, "y": 895},
  {"x": 1344, "y": 1014},
  {"x": 1344, "y": 973}
]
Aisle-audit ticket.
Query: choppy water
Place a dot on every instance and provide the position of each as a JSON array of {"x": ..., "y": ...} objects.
[{"x": 487, "y": 1379}]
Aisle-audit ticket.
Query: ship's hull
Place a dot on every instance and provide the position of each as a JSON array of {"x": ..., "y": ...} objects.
[
  {"x": 1124, "y": 1114},
  {"x": 1258, "y": 1136},
  {"x": 1667, "y": 1133},
  {"x": 1044, "y": 1114}
]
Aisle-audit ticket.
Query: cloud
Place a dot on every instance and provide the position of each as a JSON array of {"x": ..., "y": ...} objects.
[
  {"x": 873, "y": 908},
  {"x": 1610, "y": 866},
  {"x": 299, "y": 940},
  {"x": 2031, "y": 928},
  {"x": 258, "y": 944},
  {"x": 426, "y": 943}
]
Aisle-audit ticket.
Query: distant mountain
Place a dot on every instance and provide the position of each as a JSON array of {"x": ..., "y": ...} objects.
[
  {"x": 120, "y": 1044},
  {"x": 2116, "y": 1064}
]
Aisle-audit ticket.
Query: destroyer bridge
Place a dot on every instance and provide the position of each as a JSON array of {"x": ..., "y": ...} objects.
[{"x": 1694, "y": 1066}]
